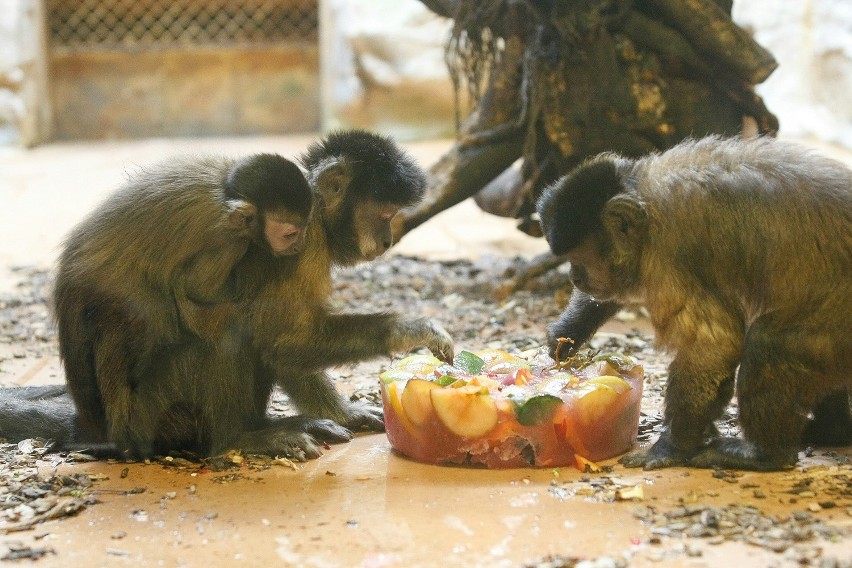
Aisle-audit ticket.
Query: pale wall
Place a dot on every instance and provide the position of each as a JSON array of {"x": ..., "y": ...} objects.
[
  {"x": 811, "y": 91},
  {"x": 402, "y": 86}
]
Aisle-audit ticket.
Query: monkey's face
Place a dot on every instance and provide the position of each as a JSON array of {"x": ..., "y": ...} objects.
[
  {"x": 372, "y": 224},
  {"x": 284, "y": 233},
  {"x": 593, "y": 271}
]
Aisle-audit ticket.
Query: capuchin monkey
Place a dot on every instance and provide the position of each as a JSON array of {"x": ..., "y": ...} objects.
[
  {"x": 181, "y": 349},
  {"x": 150, "y": 271},
  {"x": 742, "y": 253},
  {"x": 361, "y": 181},
  {"x": 268, "y": 203}
]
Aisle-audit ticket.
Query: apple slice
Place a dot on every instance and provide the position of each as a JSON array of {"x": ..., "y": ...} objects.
[
  {"x": 416, "y": 400},
  {"x": 594, "y": 401},
  {"x": 392, "y": 375},
  {"x": 411, "y": 367},
  {"x": 500, "y": 362},
  {"x": 396, "y": 404},
  {"x": 617, "y": 384},
  {"x": 468, "y": 411}
]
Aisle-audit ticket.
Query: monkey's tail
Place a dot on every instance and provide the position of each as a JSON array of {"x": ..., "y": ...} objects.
[
  {"x": 47, "y": 412},
  {"x": 37, "y": 412}
]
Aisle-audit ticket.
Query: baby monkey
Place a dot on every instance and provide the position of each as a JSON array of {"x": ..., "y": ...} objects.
[{"x": 741, "y": 250}]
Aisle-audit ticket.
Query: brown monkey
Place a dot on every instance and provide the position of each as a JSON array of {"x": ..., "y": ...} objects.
[
  {"x": 742, "y": 253},
  {"x": 267, "y": 205},
  {"x": 361, "y": 181},
  {"x": 147, "y": 385},
  {"x": 153, "y": 264}
]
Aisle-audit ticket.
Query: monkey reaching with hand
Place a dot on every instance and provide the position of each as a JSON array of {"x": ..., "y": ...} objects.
[
  {"x": 203, "y": 283},
  {"x": 742, "y": 253}
]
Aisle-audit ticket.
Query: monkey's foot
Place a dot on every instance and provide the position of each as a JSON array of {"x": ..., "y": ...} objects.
[
  {"x": 834, "y": 434},
  {"x": 661, "y": 454},
  {"x": 297, "y": 437},
  {"x": 734, "y": 453},
  {"x": 364, "y": 417},
  {"x": 298, "y": 446}
]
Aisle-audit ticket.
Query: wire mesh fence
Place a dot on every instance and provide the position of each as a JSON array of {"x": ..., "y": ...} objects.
[{"x": 132, "y": 25}]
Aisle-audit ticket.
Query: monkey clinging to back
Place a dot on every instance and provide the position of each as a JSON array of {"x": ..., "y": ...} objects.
[
  {"x": 199, "y": 286},
  {"x": 742, "y": 253}
]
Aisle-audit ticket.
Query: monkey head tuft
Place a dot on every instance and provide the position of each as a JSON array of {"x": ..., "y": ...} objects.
[
  {"x": 570, "y": 208},
  {"x": 271, "y": 182},
  {"x": 381, "y": 169}
]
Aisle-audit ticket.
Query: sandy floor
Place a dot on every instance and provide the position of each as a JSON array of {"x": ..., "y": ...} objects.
[{"x": 361, "y": 504}]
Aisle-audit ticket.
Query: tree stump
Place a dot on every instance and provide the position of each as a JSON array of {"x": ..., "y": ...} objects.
[{"x": 550, "y": 83}]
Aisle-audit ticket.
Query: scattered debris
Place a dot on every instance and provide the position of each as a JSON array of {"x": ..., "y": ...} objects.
[
  {"x": 743, "y": 523},
  {"x": 558, "y": 561},
  {"x": 602, "y": 489},
  {"x": 27, "y": 497},
  {"x": 20, "y": 551},
  {"x": 634, "y": 493},
  {"x": 25, "y": 325},
  {"x": 459, "y": 294}
]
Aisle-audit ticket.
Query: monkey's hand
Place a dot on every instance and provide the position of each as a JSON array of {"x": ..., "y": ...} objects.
[
  {"x": 662, "y": 454},
  {"x": 735, "y": 453},
  {"x": 422, "y": 332},
  {"x": 578, "y": 323}
]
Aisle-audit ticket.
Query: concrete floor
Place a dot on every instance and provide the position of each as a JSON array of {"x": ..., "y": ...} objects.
[{"x": 359, "y": 504}]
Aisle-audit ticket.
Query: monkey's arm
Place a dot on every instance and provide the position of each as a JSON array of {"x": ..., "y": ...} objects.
[
  {"x": 203, "y": 289},
  {"x": 698, "y": 389},
  {"x": 706, "y": 339},
  {"x": 338, "y": 339},
  {"x": 324, "y": 407},
  {"x": 298, "y": 360},
  {"x": 580, "y": 320}
]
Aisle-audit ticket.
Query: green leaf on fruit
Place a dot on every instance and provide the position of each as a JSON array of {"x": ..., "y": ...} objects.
[
  {"x": 468, "y": 362},
  {"x": 445, "y": 380},
  {"x": 536, "y": 409}
]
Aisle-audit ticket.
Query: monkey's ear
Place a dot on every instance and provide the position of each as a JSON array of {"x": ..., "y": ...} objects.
[
  {"x": 331, "y": 177},
  {"x": 625, "y": 218},
  {"x": 241, "y": 214}
]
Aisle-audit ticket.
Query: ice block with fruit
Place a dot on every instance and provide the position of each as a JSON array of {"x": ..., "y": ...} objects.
[{"x": 501, "y": 410}]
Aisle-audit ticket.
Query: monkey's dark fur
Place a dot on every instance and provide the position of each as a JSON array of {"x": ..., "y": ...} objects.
[
  {"x": 742, "y": 253},
  {"x": 132, "y": 274},
  {"x": 146, "y": 379}
]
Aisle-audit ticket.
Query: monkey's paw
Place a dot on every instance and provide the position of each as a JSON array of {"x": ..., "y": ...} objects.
[
  {"x": 423, "y": 332},
  {"x": 281, "y": 441},
  {"x": 361, "y": 416},
  {"x": 662, "y": 454},
  {"x": 735, "y": 453},
  {"x": 834, "y": 430},
  {"x": 296, "y": 437}
]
